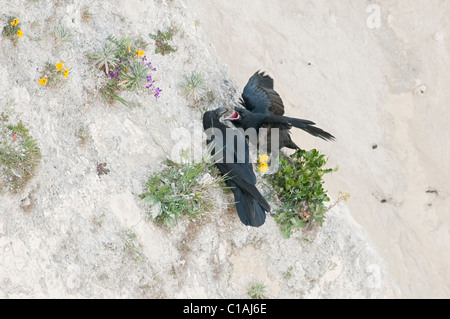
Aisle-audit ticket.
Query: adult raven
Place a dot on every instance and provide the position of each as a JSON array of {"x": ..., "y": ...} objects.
[
  {"x": 250, "y": 204},
  {"x": 263, "y": 107}
]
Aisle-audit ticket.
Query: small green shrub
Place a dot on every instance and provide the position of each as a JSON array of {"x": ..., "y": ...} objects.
[
  {"x": 127, "y": 67},
  {"x": 194, "y": 86},
  {"x": 19, "y": 155},
  {"x": 299, "y": 186},
  {"x": 179, "y": 191},
  {"x": 82, "y": 133},
  {"x": 52, "y": 73},
  {"x": 131, "y": 246},
  {"x": 101, "y": 169},
  {"x": 86, "y": 15},
  {"x": 62, "y": 35},
  {"x": 106, "y": 58},
  {"x": 257, "y": 290},
  {"x": 12, "y": 30},
  {"x": 162, "y": 41}
]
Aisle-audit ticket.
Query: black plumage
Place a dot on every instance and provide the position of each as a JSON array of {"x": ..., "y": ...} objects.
[
  {"x": 263, "y": 107},
  {"x": 250, "y": 204}
]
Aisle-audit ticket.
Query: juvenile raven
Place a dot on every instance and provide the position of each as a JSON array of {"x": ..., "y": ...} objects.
[
  {"x": 263, "y": 107},
  {"x": 250, "y": 204}
]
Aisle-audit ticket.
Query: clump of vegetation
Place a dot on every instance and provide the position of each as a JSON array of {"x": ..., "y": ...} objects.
[
  {"x": 194, "y": 86},
  {"x": 288, "y": 273},
  {"x": 257, "y": 290},
  {"x": 299, "y": 186},
  {"x": 19, "y": 154},
  {"x": 162, "y": 41},
  {"x": 52, "y": 72},
  {"x": 101, "y": 169},
  {"x": 196, "y": 92},
  {"x": 82, "y": 133},
  {"x": 127, "y": 68},
  {"x": 62, "y": 35},
  {"x": 86, "y": 15},
  {"x": 12, "y": 30},
  {"x": 179, "y": 191},
  {"x": 131, "y": 246}
]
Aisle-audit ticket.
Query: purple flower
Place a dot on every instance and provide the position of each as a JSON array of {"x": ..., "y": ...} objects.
[
  {"x": 158, "y": 90},
  {"x": 144, "y": 58},
  {"x": 149, "y": 64},
  {"x": 120, "y": 59},
  {"x": 149, "y": 78}
]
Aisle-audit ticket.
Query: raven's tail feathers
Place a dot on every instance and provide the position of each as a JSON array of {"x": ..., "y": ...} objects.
[
  {"x": 249, "y": 210},
  {"x": 313, "y": 130},
  {"x": 305, "y": 125}
]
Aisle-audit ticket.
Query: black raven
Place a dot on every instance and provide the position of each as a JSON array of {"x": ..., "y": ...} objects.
[
  {"x": 263, "y": 107},
  {"x": 250, "y": 204}
]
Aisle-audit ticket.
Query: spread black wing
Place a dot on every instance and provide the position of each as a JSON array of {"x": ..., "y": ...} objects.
[{"x": 259, "y": 96}]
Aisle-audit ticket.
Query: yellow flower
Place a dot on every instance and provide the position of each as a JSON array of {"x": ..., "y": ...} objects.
[
  {"x": 59, "y": 66},
  {"x": 263, "y": 158},
  {"x": 14, "y": 22},
  {"x": 263, "y": 167},
  {"x": 19, "y": 33},
  {"x": 128, "y": 48},
  {"x": 43, "y": 81},
  {"x": 66, "y": 73},
  {"x": 140, "y": 53}
]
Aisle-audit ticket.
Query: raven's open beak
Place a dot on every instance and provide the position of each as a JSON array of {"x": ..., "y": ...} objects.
[{"x": 233, "y": 117}]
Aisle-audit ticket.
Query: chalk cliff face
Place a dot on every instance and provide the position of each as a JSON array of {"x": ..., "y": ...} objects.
[
  {"x": 375, "y": 74},
  {"x": 73, "y": 233}
]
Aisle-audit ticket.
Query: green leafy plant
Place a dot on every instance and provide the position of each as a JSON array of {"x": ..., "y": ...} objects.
[
  {"x": 101, "y": 169},
  {"x": 131, "y": 246},
  {"x": 106, "y": 58},
  {"x": 12, "y": 30},
  {"x": 52, "y": 72},
  {"x": 257, "y": 290},
  {"x": 299, "y": 186},
  {"x": 162, "y": 41},
  {"x": 19, "y": 154},
  {"x": 62, "y": 35},
  {"x": 126, "y": 65},
  {"x": 288, "y": 273},
  {"x": 82, "y": 133},
  {"x": 86, "y": 15},
  {"x": 181, "y": 189},
  {"x": 194, "y": 86}
]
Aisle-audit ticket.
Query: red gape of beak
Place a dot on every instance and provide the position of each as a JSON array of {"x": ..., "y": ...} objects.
[{"x": 234, "y": 116}]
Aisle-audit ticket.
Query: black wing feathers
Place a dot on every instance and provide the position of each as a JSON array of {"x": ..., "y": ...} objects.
[
  {"x": 259, "y": 96},
  {"x": 250, "y": 204}
]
